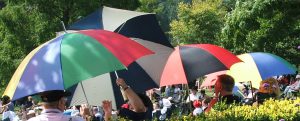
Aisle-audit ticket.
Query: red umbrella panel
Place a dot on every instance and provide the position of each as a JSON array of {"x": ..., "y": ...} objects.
[
  {"x": 189, "y": 62},
  {"x": 211, "y": 79}
]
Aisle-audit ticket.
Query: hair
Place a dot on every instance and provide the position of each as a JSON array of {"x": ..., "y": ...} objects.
[
  {"x": 146, "y": 100},
  {"x": 202, "y": 91},
  {"x": 227, "y": 82},
  {"x": 195, "y": 88},
  {"x": 207, "y": 100},
  {"x": 51, "y": 104},
  {"x": 5, "y": 100}
]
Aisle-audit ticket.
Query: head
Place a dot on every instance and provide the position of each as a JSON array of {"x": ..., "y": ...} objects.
[
  {"x": 95, "y": 110},
  {"x": 268, "y": 86},
  {"x": 206, "y": 101},
  {"x": 29, "y": 98},
  {"x": 297, "y": 77},
  {"x": 202, "y": 92},
  {"x": 194, "y": 90},
  {"x": 224, "y": 84},
  {"x": 5, "y": 100},
  {"x": 55, "y": 99}
]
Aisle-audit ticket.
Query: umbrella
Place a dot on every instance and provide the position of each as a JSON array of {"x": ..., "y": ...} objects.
[
  {"x": 211, "y": 79},
  {"x": 71, "y": 58},
  {"x": 144, "y": 29},
  {"x": 188, "y": 62},
  {"x": 140, "y": 76},
  {"x": 94, "y": 90},
  {"x": 259, "y": 66},
  {"x": 128, "y": 23}
]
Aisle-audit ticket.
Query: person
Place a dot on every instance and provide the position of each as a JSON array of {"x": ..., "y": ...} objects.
[
  {"x": 203, "y": 95},
  {"x": 223, "y": 91},
  {"x": 194, "y": 95},
  {"x": 268, "y": 89},
  {"x": 8, "y": 109},
  {"x": 7, "y": 105},
  {"x": 97, "y": 116},
  {"x": 140, "y": 106},
  {"x": 54, "y": 103},
  {"x": 292, "y": 88},
  {"x": 225, "y": 84},
  {"x": 29, "y": 103},
  {"x": 197, "y": 105},
  {"x": 205, "y": 103}
]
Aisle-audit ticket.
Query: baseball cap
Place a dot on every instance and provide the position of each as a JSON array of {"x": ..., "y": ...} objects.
[{"x": 54, "y": 95}]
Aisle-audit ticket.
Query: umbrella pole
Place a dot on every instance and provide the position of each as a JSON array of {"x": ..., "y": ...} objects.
[
  {"x": 64, "y": 27},
  {"x": 251, "y": 90},
  {"x": 122, "y": 91},
  {"x": 87, "y": 101}
]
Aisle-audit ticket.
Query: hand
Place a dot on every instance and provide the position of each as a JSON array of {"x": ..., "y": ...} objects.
[
  {"x": 106, "y": 105},
  {"x": 84, "y": 110},
  {"x": 107, "y": 108},
  {"x": 121, "y": 83}
]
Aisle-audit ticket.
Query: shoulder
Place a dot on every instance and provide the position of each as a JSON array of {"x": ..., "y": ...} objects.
[{"x": 73, "y": 118}]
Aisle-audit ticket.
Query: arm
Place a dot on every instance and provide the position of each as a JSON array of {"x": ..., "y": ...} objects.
[
  {"x": 107, "y": 108},
  {"x": 4, "y": 108},
  {"x": 133, "y": 98}
]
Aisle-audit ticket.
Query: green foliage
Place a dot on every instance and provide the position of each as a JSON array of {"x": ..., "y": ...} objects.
[
  {"x": 166, "y": 10},
  {"x": 271, "y": 110},
  {"x": 25, "y": 24},
  {"x": 200, "y": 22},
  {"x": 264, "y": 25},
  {"x": 121, "y": 4}
]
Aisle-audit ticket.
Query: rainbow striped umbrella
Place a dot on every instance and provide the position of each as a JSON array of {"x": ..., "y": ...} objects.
[
  {"x": 68, "y": 59},
  {"x": 259, "y": 66}
]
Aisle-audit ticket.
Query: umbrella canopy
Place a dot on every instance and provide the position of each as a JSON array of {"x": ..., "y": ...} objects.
[
  {"x": 94, "y": 90},
  {"x": 144, "y": 29},
  {"x": 128, "y": 23},
  {"x": 188, "y": 62},
  {"x": 71, "y": 58},
  {"x": 140, "y": 76},
  {"x": 259, "y": 66},
  {"x": 211, "y": 79}
]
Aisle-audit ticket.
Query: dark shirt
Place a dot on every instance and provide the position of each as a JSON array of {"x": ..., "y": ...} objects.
[
  {"x": 131, "y": 115},
  {"x": 28, "y": 104},
  {"x": 261, "y": 97},
  {"x": 230, "y": 99}
]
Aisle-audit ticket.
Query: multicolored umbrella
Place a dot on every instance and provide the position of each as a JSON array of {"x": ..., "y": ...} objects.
[
  {"x": 260, "y": 66},
  {"x": 142, "y": 74},
  {"x": 71, "y": 58},
  {"x": 188, "y": 62}
]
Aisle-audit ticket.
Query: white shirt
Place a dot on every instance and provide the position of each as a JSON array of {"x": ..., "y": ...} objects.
[
  {"x": 54, "y": 115},
  {"x": 197, "y": 111},
  {"x": 192, "y": 97}
]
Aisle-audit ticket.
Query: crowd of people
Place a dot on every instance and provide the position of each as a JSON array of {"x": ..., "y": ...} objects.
[{"x": 158, "y": 103}]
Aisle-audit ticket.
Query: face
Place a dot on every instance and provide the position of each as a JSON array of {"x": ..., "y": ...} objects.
[
  {"x": 218, "y": 87},
  {"x": 62, "y": 103}
]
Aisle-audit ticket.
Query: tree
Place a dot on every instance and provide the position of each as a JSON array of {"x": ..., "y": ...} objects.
[
  {"x": 264, "y": 25},
  {"x": 25, "y": 24},
  {"x": 166, "y": 10},
  {"x": 200, "y": 22}
]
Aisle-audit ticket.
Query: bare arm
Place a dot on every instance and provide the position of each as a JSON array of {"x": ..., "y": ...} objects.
[
  {"x": 133, "y": 98},
  {"x": 107, "y": 108}
]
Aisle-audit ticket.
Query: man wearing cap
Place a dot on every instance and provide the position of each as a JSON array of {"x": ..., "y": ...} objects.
[{"x": 53, "y": 106}]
